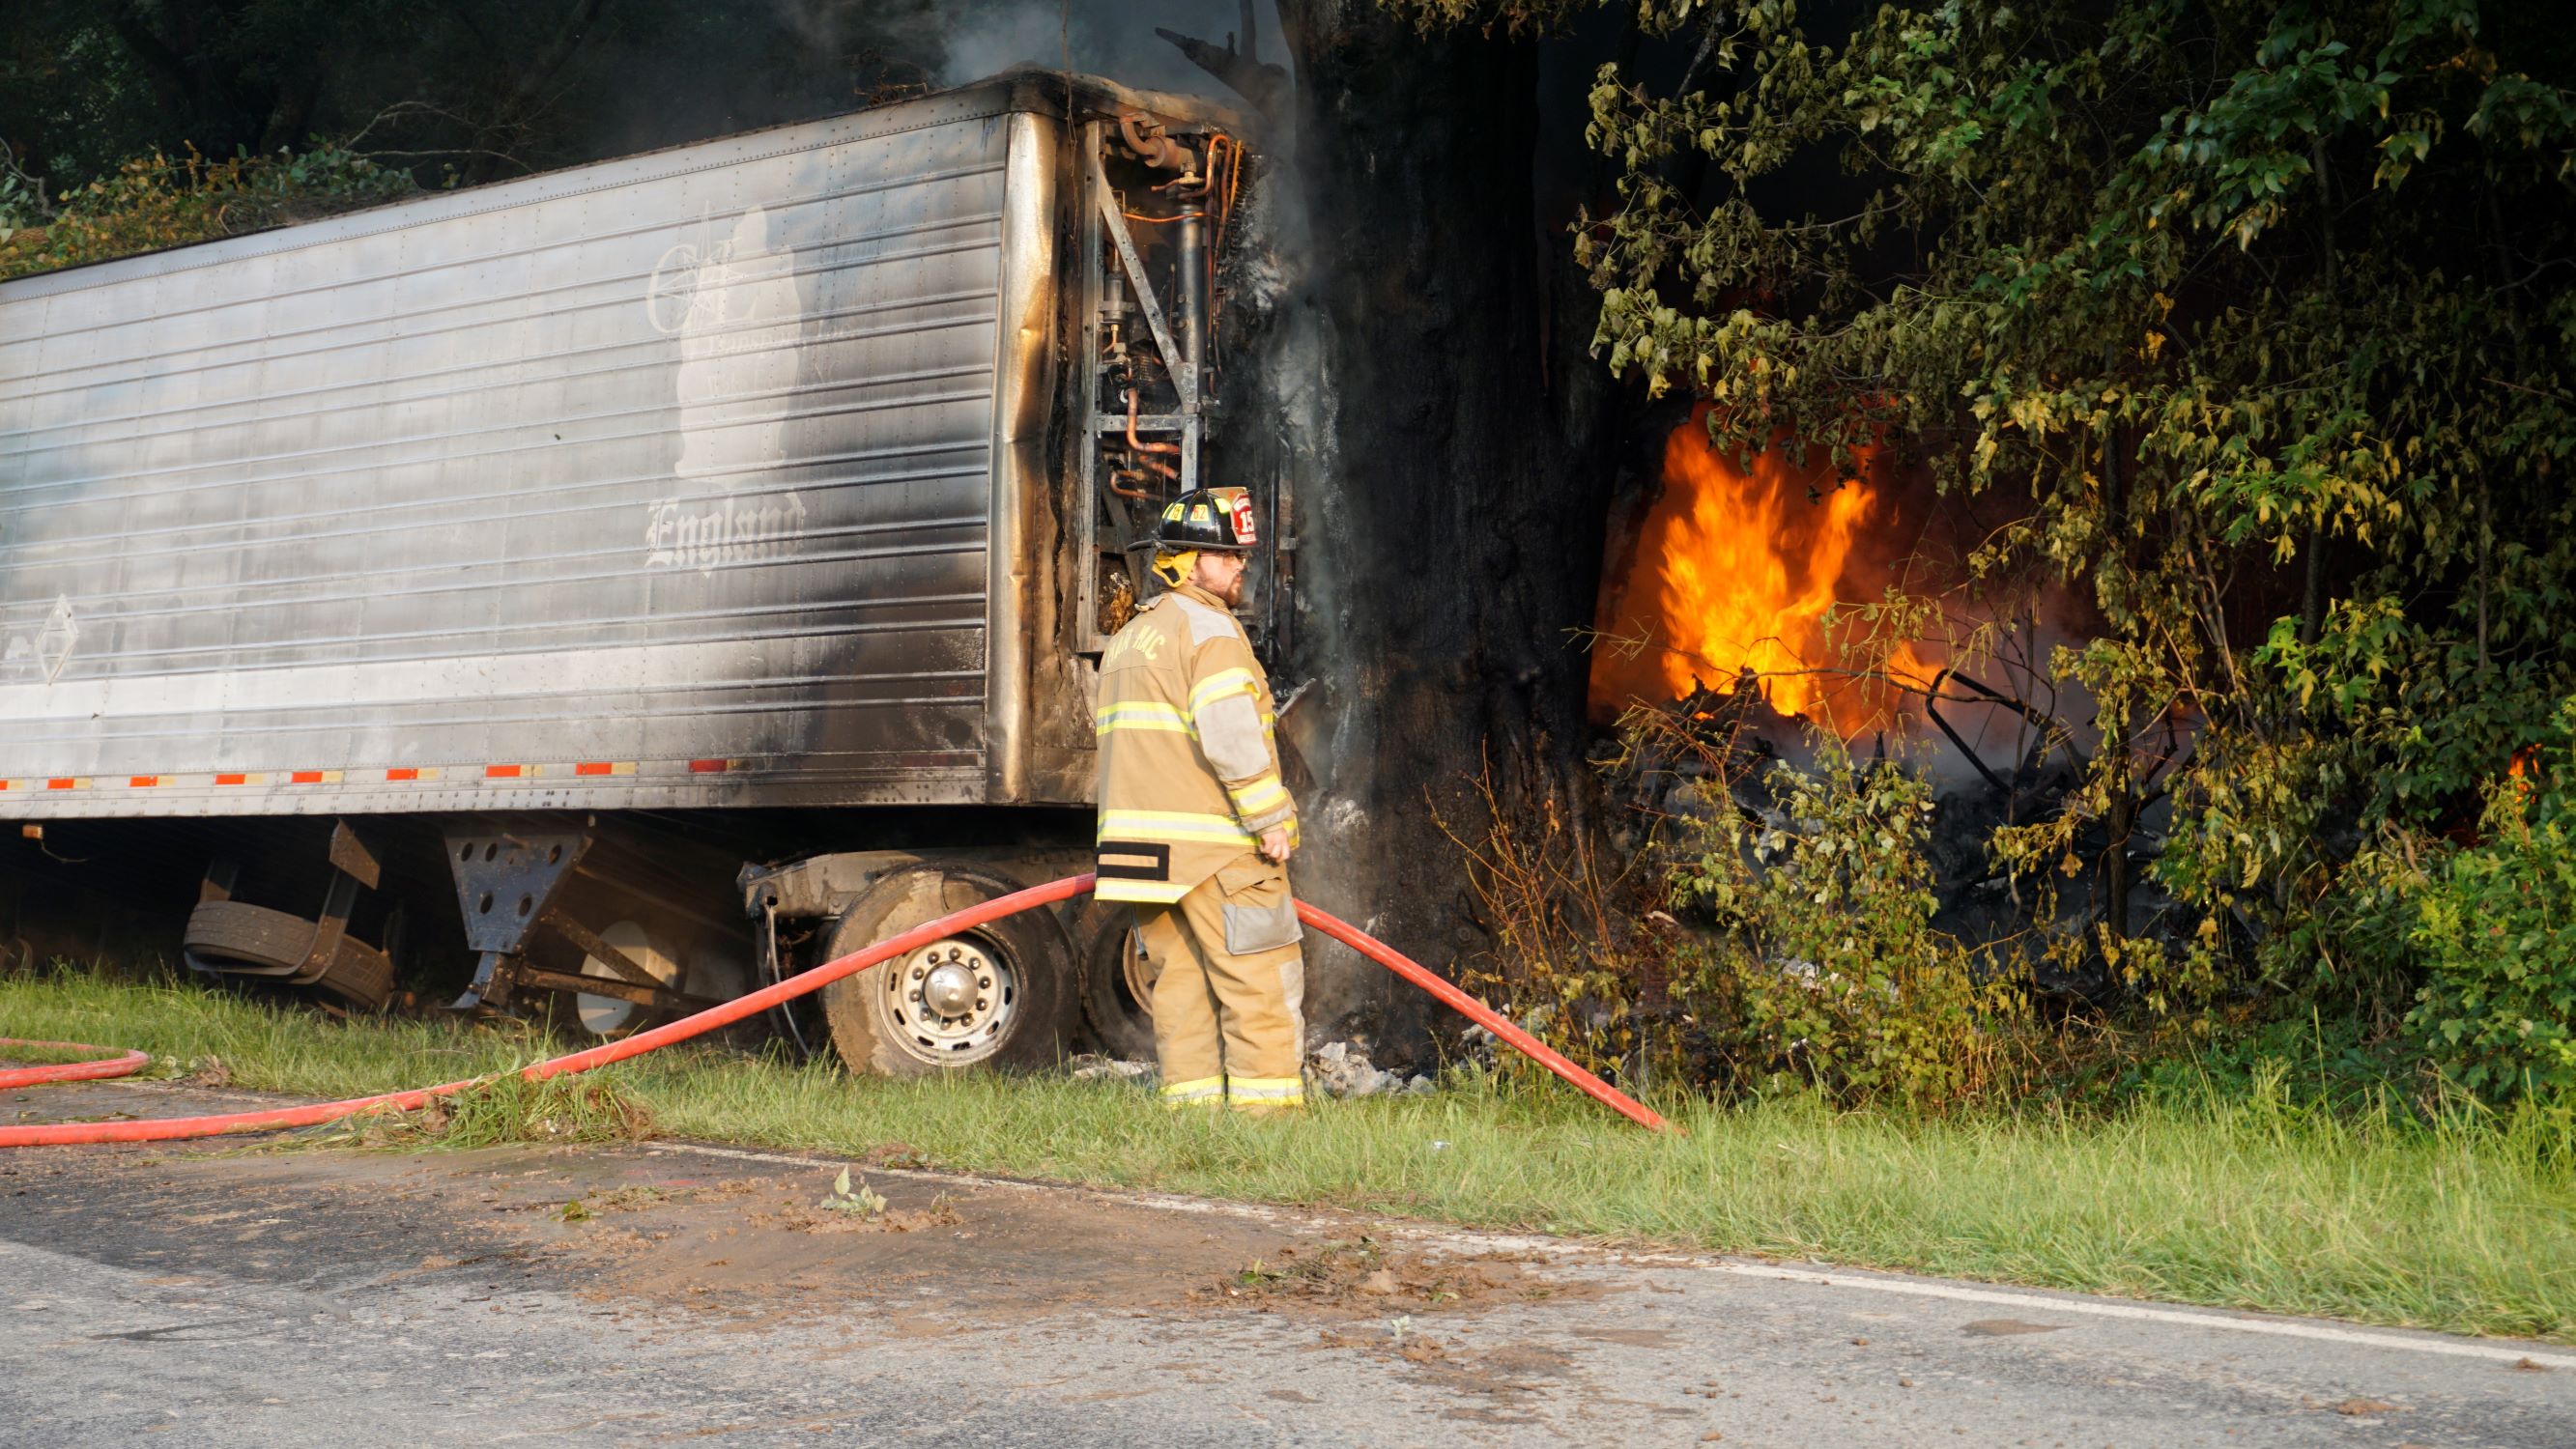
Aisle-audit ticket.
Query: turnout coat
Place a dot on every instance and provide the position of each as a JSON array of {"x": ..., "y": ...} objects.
[{"x": 1189, "y": 768}]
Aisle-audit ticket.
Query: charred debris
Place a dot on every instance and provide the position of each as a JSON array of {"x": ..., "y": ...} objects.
[{"x": 1666, "y": 772}]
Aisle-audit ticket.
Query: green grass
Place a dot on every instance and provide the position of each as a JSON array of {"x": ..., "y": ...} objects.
[{"x": 2246, "y": 1201}]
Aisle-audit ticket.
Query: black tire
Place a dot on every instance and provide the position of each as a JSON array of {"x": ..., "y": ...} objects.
[
  {"x": 1121, "y": 1019},
  {"x": 238, "y": 939},
  {"x": 1024, "y": 962},
  {"x": 360, "y": 975},
  {"x": 247, "y": 940}
]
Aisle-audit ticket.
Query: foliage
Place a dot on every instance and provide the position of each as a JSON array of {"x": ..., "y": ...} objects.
[
  {"x": 23, "y": 202},
  {"x": 2248, "y": 322},
  {"x": 470, "y": 89},
  {"x": 156, "y": 201},
  {"x": 1823, "y": 969},
  {"x": 1749, "y": 949},
  {"x": 2496, "y": 925}
]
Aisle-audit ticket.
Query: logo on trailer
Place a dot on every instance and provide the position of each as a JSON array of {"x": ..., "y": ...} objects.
[
  {"x": 733, "y": 531},
  {"x": 41, "y": 652},
  {"x": 733, "y": 308}
]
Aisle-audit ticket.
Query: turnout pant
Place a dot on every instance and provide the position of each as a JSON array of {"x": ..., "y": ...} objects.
[{"x": 1229, "y": 989}]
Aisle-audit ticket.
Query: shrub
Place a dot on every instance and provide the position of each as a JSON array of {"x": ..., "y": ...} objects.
[
  {"x": 1823, "y": 969},
  {"x": 2495, "y": 927},
  {"x": 158, "y": 201}
]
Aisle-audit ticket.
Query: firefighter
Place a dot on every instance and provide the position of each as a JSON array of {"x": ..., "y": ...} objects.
[{"x": 1196, "y": 827}]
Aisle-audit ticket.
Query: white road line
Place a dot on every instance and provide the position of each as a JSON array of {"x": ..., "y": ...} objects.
[
  {"x": 1909, "y": 1287},
  {"x": 2189, "y": 1318}
]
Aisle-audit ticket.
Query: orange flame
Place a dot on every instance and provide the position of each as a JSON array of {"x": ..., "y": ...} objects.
[{"x": 1735, "y": 569}]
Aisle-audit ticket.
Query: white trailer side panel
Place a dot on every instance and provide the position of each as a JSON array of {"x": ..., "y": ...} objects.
[{"x": 664, "y": 482}]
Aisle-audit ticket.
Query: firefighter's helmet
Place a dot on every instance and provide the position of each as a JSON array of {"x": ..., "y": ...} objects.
[{"x": 1217, "y": 519}]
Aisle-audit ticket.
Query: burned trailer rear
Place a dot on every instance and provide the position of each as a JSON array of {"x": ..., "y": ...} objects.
[{"x": 617, "y": 534}]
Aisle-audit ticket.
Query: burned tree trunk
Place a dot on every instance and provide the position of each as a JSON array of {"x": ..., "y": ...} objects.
[{"x": 1448, "y": 519}]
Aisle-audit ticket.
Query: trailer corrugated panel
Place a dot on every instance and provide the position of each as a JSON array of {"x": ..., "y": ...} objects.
[{"x": 664, "y": 482}]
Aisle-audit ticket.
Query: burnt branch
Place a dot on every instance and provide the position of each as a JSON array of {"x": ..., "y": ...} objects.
[
  {"x": 1266, "y": 86},
  {"x": 1932, "y": 712},
  {"x": 2046, "y": 723}
]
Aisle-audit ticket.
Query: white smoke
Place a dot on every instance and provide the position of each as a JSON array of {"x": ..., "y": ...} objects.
[{"x": 1110, "y": 38}]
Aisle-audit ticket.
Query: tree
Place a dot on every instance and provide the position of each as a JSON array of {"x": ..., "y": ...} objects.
[
  {"x": 2245, "y": 320},
  {"x": 466, "y": 90}
]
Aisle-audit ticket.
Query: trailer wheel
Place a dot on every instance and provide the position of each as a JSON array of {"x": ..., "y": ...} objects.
[
  {"x": 997, "y": 997},
  {"x": 1117, "y": 984},
  {"x": 610, "y": 1017}
]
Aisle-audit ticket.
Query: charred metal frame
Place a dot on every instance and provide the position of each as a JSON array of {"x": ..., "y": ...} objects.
[
  {"x": 1179, "y": 328},
  {"x": 509, "y": 888}
]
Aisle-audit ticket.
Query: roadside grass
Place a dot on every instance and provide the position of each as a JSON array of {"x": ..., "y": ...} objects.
[{"x": 2242, "y": 1199}]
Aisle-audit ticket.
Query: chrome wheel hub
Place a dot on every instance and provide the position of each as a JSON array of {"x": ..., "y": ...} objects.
[
  {"x": 952, "y": 1001},
  {"x": 949, "y": 989}
]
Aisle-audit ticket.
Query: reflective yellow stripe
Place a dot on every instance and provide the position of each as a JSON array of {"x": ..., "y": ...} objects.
[
  {"x": 1202, "y": 1089},
  {"x": 1266, "y": 1089},
  {"x": 1258, "y": 796},
  {"x": 1142, "y": 715},
  {"x": 1220, "y": 684},
  {"x": 1171, "y": 825}
]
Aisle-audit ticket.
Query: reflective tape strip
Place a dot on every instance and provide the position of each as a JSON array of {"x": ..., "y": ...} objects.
[
  {"x": 1221, "y": 684},
  {"x": 1142, "y": 715},
  {"x": 1258, "y": 796},
  {"x": 1266, "y": 1090},
  {"x": 1198, "y": 1089},
  {"x": 394, "y": 774},
  {"x": 1171, "y": 825},
  {"x": 1140, "y": 892}
]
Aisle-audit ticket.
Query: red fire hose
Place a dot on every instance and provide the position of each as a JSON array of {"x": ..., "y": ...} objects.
[
  {"x": 110, "y": 1065},
  {"x": 56, "y": 1134}
]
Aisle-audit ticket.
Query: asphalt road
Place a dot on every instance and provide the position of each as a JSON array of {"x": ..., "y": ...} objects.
[{"x": 285, "y": 1299}]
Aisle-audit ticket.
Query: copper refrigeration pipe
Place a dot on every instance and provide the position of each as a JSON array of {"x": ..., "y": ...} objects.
[
  {"x": 1137, "y": 443},
  {"x": 173, "y": 1129},
  {"x": 1146, "y": 137}
]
